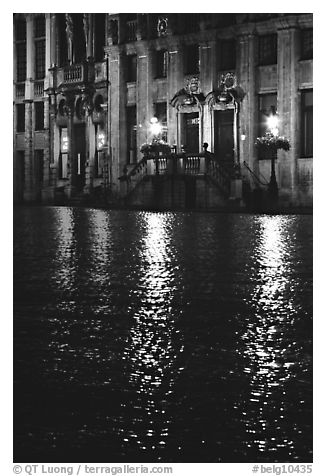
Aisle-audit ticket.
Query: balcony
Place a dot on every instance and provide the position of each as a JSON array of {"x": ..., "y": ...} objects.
[
  {"x": 72, "y": 75},
  {"x": 131, "y": 28},
  {"x": 20, "y": 91},
  {"x": 38, "y": 88}
]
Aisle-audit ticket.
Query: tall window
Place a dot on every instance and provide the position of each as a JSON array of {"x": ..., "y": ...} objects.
[
  {"x": 306, "y": 44},
  {"x": 132, "y": 68},
  {"x": 99, "y": 152},
  {"x": 20, "y": 30},
  {"x": 63, "y": 158},
  {"x": 267, "y": 105},
  {"x": 99, "y": 36},
  {"x": 161, "y": 64},
  {"x": 20, "y": 110},
  {"x": 192, "y": 59},
  {"x": 39, "y": 33},
  {"x": 131, "y": 134},
  {"x": 268, "y": 49},
  {"x": 306, "y": 123},
  {"x": 39, "y": 115},
  {"x": 227, "y": 55},
  {"x": 79, "y": 47},
  {"x": 160, "y": 111},
  {"x": 62, "y": 39}
]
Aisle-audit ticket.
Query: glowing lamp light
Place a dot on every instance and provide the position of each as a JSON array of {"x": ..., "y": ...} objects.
[
  {"x": 100, "y": 140},
  {"x": 156, "y": 127},
  {"x": 272, "y": 124}
]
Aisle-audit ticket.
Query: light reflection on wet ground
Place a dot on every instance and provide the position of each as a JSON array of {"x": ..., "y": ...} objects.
[{"x": 162, "y": 336}]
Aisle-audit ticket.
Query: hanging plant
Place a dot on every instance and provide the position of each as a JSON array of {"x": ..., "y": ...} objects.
[
  {"x": 271, "y": 142},
  {"x": 155, "y": 148}
]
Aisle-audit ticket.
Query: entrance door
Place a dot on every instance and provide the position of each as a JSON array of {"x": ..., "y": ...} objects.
[
  {"x": 191, "y": 132},
  {"x": 80, "y": 155},
  {"x": 224, "y": 135}
]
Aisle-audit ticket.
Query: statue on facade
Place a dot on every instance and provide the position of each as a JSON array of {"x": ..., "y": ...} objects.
[{"x": 70, "y": 35}]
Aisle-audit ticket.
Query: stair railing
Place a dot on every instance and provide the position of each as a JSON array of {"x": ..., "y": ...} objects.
[
  {"x": 255, "y": 177},
  {"x": 219, "y": 173}
]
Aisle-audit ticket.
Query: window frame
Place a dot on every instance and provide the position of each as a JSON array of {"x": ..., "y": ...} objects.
[
  {"x": 267, "y": 49},
  {"x": 306, "y": 147}
]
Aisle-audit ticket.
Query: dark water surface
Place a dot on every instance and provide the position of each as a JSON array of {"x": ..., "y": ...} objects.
[{"x": 169, "y": 337}]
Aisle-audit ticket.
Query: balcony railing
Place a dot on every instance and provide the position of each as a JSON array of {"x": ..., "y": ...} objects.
[
  {"x": 131, "y": 30},
  {"x": 38, "y": 88},
  {"x": 20, "y": 91},
  {"x": 74, "y": 73}
]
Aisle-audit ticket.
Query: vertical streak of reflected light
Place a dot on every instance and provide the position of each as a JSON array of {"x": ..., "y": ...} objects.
[
  {"x": 266, "y": 355},
  {"x": 151, "y": 352}
]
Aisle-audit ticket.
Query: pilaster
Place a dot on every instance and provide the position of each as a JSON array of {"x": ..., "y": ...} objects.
[
  {"x": 288, "y": 108},
  {"x": 248, "y": 107}
]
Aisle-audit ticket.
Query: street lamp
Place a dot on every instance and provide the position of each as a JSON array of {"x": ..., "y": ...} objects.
[
  {"x": 272, "y": 126},
  {"x": 155, "y": 127}
]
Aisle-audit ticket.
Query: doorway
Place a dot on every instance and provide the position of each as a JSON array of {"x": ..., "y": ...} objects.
[
  {"x": 191, "y": 132},
  {"x": 224, "y": 136},
  {"x": 80, "y": 156}
]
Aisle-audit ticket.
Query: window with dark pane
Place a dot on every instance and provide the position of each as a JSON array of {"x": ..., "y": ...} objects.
[
  {"x": 161, "y": 63},
  {"x": 39, "y": 27},
  {"x": 39, "y": 115},
  {"x": 21, "y": 61},
  {"x": 99, "y": 36},
  {"x": 191, "y": 59},
  {"x": 306, "y": 44},
  {"x": 62, "y": 39},
  {"x": 20, "y": 111},
  {"x": 39, "y": 59},
  {"x": 20, "y": 30},
  {"x": 268, "y": 49},
  {"x": 228, "y": 57},
  {"x": 131, "y": 134},
  {"x": 307, "y": 123},
  {"x": 132, "y": 68},
  {"x": 79, "y": 37}
]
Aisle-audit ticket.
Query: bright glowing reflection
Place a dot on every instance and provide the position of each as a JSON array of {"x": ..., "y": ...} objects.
[
  {"x": 151, "y": 352},
  {"x": 270, "y": 363}
]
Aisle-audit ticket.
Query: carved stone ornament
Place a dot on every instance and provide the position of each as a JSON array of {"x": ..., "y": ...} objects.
[
  {"x": 193, "y": 85},
  {"x": 228, "y": 81},
  {"x": 162, "y": 26}
]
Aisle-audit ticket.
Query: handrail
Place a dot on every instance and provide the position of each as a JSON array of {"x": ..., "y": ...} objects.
[
  {"x": 200, "y": 163},
  {"x": 254, "y": 175}
]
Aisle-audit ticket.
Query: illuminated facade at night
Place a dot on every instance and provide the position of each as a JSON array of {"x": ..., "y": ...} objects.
[{"x": 86, "y": 87}]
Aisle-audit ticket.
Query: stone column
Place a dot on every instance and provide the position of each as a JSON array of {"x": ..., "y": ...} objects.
[
  {"x": 29, "y": 193},
  {"x": 72, "y": 165},
  {"x": 175, "y": 83},
  {"x": 117, "y": 133},
  {"x": 143, "y": 102},
  {"x": 248, "y": 107},
  {"x": 288, "y": 109}
]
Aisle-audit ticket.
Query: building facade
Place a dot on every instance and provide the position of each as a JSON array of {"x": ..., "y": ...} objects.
[{"x": 87, "y": 87}]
